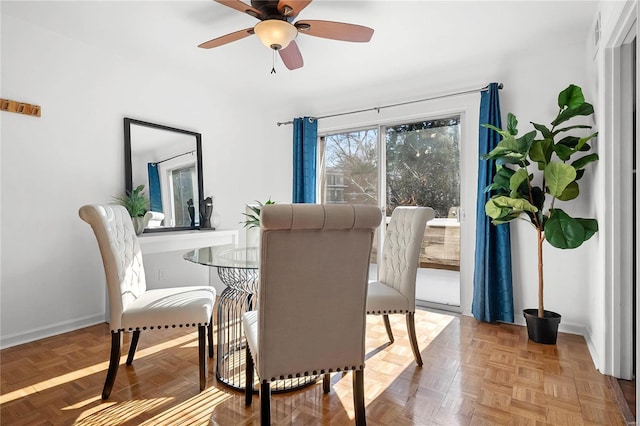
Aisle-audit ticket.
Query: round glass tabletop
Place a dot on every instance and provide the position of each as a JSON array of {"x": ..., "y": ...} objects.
[{"x": 225, "y": 256}]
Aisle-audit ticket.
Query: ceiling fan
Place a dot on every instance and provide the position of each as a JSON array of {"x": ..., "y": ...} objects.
[{"x": 277, "y": 30}]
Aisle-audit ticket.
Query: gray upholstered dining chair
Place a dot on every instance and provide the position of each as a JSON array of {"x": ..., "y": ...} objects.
[
  {"x": 395, "y": 290},
  {"x": 310, "y": 317},
  {"x": 132, "y": 307}
]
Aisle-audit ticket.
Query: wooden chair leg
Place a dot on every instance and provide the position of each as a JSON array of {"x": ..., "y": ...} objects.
[
  {"x": 358, "y": 397},
  {"x": 132, "y": 346},
  {"x": 114, "y": 361},
  {"x": 265, "y": 403},
  {"x": 387, "y": 325},
  {"x": 411, "y": 329},
  {"x": 202, "y": 359},
  {"x": 248, "y": 377},
  {"x": 210, "y": 333},
  {"x": 326, "y": 383}
]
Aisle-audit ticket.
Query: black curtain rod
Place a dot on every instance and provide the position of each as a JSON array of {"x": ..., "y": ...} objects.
[
  {"x": 175, "y": 156},
  {"x": 481, "y": 89}
]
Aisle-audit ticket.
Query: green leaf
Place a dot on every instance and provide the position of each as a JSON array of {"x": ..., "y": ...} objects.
[
  {"x": 506, "y": 146},
  {"x": 524, "y": 143},
  {"x": 570, "y": 192},
  {"x": 505, "y": 219},
  {"x": 583, "y": 109},
  {"x": 516, "y": 180},
  {"x": 501, "y": 207},
  {"x": 537, "y": 198},
  {"x": 502, "y": 179},
  {"x": 564, "y": 152},
  {"x": 590, "y": 227},
  {"x": 541, "y": 151},
  {"x": 546, "y": 133},
  {"x": 558, "y": 176},
  {"x": 582, "y": 142},
  {"x": 571, "y": 97},
  {"x": 569, "y": 141},
  {"x": 566, "y": 129},
  {"x": 503, "y": 133},
  {"x": 512, "y": 124},
  {"x": 581, "y": 163},
  {"x": 562, "y": 231}
]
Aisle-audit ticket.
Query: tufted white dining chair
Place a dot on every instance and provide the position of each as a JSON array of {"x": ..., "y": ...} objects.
[
  {"x": 395, "y": 290},
  {"x": 310, "y": 317},
  {"x": 132, "y": 307}
]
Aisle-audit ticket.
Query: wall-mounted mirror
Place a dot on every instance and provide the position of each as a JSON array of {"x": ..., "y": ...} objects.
[{"x": 168, "y": 162}]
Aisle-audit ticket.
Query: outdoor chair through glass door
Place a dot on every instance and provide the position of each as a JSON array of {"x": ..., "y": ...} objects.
[{"x": 412, "y": 164}]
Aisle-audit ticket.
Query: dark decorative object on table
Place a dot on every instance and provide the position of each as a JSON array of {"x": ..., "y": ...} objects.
[
  {"x": 192, "y": 211},
  {"x": 206, "y": 208}
]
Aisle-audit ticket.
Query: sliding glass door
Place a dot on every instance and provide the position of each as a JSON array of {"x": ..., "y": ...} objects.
[{"x": 410, "y": 164}]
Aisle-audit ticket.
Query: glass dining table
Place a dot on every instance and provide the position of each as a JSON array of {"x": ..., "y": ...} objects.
[{"x": 237, "y": 268}]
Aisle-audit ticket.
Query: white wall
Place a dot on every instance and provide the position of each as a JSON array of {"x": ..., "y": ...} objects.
[
  {"x": 51, "y": 271},
  {"x": 52, "y": 278}
]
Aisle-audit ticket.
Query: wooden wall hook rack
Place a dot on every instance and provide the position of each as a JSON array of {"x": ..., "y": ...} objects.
[{"x": 19, "y": 107}]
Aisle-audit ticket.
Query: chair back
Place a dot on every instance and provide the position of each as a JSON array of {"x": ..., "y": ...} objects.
[
  {"x": 398, "y": 265},
  {"x": 121, "y": 256},
  {"x": 313, "y": 288}
]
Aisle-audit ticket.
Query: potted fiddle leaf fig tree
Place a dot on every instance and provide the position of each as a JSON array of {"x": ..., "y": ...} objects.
[{"x": 520, "y": 192}]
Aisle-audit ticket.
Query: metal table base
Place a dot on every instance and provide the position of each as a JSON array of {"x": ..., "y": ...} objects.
[{"x": 236, "y": 299}]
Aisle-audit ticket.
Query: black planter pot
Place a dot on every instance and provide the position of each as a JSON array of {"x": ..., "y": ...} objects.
[{"x": 542, "y": 330}]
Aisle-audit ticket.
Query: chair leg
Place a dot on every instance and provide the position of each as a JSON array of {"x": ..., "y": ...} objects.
[
  {"x": 202, "y": 359},
  {"x": 387, "y": 325},
  {"x": 358, "y": 397},
  {"x": 248, "y": 377},
  {"x": 210, "y": 333},
  {"x": 132, "y": 346},
  {"x": 265, "y": 403},
  {"x": 114, "y": 361},
  {"x": 411, "y": 329},
  {"x": 326, "y": 383}
]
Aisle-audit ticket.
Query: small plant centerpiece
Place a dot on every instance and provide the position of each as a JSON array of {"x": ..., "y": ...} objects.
[
  {"x": 519, "y": 193},
  {"x": 252, "y": 222},
  {"x": 136, "y": 204},
  {"x": 253, "y": 216}
]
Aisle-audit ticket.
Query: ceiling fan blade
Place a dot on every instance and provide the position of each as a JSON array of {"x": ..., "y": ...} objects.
[
  {"x": 291, "y": 8},
  {"x": 238, "y": 35},
  {"x": 291, "y": 56},
  {"x": 242, "y": 7},
  {"x": 335, "y": 30}
]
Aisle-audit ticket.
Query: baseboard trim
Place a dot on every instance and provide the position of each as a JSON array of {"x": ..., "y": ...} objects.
[{"x": 42, "y": 333}]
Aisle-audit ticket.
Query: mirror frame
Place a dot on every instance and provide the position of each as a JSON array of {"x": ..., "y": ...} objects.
[{"x": 128, "y": 168}]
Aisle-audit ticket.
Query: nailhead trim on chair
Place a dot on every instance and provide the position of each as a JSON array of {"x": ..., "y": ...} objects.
[
  {"x": 389, "y": 312},
  {"x": 163, "y": 326},
  {"x": 315, "y": 373}
]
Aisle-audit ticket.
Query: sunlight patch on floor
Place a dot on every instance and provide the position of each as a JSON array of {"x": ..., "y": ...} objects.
[{"x": 92, "y": 369}]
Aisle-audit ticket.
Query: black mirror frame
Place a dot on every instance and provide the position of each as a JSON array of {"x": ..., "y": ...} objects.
[{"x": 128, "y": 170}]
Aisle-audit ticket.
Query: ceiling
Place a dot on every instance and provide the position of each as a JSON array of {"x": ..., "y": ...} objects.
[{"x": 411, "y": 38}]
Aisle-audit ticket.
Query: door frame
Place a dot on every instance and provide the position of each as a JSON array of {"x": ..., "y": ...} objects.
[
  {"x": 468, "y": 107},
  {"x": 618, "y": 240}
]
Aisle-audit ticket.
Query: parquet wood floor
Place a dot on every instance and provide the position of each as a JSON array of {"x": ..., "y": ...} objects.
[{"x": 473, "y": 374}]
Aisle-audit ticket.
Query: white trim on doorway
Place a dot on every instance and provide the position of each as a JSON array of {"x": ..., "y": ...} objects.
[{"x": 617, "y": 152}]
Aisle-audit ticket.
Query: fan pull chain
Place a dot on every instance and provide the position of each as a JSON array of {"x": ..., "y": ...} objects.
[{"x": 273, "y": 68}]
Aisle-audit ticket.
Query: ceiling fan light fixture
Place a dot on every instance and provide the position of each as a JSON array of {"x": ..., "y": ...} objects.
[{"x": 275, "y": 34}]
